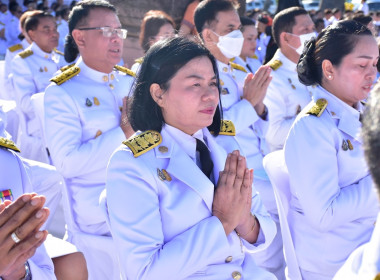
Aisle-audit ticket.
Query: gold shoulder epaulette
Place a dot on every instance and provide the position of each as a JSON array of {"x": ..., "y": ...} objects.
[
  {"x": 15, "y": 48},
  {"x": 64, "y": 68},
  {"x": 318, "y": 108},
  {"x": 66, "y": 75},
  {"x": 143, "y": 142},
  {"x": 4, "y": 142},
  {"x": 238, "y": 67},
  {"x": 275, "y": 64},
  {"x": 139, "y": 60},
  {"x": 58, "y": 52},
  {"x": 377, "y": 277},
  {"x": 125, "y": 70},
  {"x": 254, "y": 57},
  {"x": 227, "y": 128},
  {"x": 25, "y": 53}
]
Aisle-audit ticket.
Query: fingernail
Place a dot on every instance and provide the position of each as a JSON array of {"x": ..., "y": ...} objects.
[
  {"x": 38, "y": 235},
  {"x": 26, "y": 198},
  {"x": 35, "y": 201},
  {"x": 229, "y": 155},
  {"x": 240, "y": 158},
  {"x": 39, "y": 214}
]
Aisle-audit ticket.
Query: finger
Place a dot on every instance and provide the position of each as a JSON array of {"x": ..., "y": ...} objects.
[
  {"x": 21, "y": 216},
  {"x": 33, "y": 224},
  {"x": 223, "y": 175},
  {"x": 240, "y": 172},
  {"x": 231, "y": 174},
  {"x": 10, "y": 210},
  {"x": 246, "y": 182}
]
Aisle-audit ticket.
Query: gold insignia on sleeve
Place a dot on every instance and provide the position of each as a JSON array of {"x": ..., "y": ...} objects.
[
  {"x": 143, "y": 142},
  {"x": 6, "y": 143},
  {"x": 227, "y": 128},
  {"x": 318, "y": 108},
  {"x": 58, "y": 52},
  {"x": 15, "y": 48},
  {"x": 274, "y": 64},
  {"x": 26, "y": 53},
  {"x": 64, "y": 68},
  {"x": 66, "y": 75},
  {"x": 125, "y": 70},
  {"x": 238, "y": 67},
  {"x": 139, "y": 60}
]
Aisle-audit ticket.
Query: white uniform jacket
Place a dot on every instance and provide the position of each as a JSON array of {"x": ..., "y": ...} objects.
[
  {"x": 165, "y": 229},
  {"x": 13, "y": 176},
  {"x": 364, "y": 262},
  {"x": 333, "y": 205},
  {"x": 82, "y": 128},
  {"x": 31, "y": 75},
  {"x": 285, "y": 98},
  {"x": 12, "y": 30},
  {"x": 251, "y": 64}
]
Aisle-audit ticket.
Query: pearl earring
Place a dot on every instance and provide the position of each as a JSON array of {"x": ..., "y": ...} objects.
[{"x": 330, "y": 77}]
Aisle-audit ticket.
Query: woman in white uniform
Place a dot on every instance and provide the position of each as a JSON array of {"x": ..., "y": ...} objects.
[
  {"x": 333, "y": 204},
  {"x": 178, "y": 208}
]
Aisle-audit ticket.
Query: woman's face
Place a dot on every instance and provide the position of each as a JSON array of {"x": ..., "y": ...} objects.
[
  {"x": 166, "y": 31},
  {"x": 351, "y": 81},
  {"x": 192, "y": 98},
  {"x": 249, "y": 46}
]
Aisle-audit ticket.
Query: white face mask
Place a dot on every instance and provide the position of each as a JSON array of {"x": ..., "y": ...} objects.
[
  {"x": 303, "y": 39},
  {"x": 231, "y": 44}
]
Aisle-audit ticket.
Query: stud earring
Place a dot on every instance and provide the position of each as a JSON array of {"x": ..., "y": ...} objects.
[{"x": 330, "y": 77}]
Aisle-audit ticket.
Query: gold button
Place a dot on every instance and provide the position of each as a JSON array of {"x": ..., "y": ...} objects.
[
  {"x": 225, "y": 69},
  {"x": 236, "y": 275},
  {"x": 105, "y": 78},
  {"x": 46, "y": 56},
  {"x": 163, "y": 149},
  {"x": 228, "y": 259},
  {"x": 112, "y": 86},
  {"x": 112, "y": 77},
  {"x": 98, "y": 133}
]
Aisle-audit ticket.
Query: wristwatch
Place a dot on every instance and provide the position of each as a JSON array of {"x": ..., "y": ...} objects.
[{"x": 28, "y": 274}]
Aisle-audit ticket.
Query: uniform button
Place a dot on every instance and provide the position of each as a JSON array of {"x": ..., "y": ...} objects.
[
  {"x": 163, "y": 149},
  {"x": 225, "y": 69},
  {"x": 112, "y": 86},
  {"x": 228, "y": 259},
  {"x": 112, "y": 77},
  {"x": 236, "y": 275},
  {"x": 105, "y": 78}
]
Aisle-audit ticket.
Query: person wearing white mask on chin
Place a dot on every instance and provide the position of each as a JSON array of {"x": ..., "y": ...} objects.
[
  {"x": 244, "y": 113},
  {"x": 286, "y": 96}
]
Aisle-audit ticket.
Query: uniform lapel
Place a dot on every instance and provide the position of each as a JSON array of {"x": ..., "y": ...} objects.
[
  {"x": 218, "y": 154},
  {"x": 182, "y": 167}
]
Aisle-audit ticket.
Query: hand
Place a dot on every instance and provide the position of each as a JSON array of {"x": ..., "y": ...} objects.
[
  {"x": 124, "y": 122},
  {"x": 233, "y": 192},
  {"x": 255, "y": 87},
  {"x": 25, "y": 217}
]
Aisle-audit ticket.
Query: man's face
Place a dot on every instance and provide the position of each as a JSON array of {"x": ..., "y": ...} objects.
[
  {"x": 226, "y": 22},
  {"x": 46, "y": 34}
]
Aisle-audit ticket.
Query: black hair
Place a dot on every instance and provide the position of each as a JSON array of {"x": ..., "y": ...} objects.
[
  {"x": 371, "y": 135},
  {"x": 152, "y": 22},
  {"x": 161, "y": 63},
  {"x": 246, "y": 21},
  {"x": 77, "y": 17},
  {"x": 13, "y": 7},
  {"x": 365, "y": 20},
  {"x": 333, "y": 43},
  {"x": 206, "y": 12},
  {"x": 284, "y": 21},
  {"x": 32, "y": 22}
]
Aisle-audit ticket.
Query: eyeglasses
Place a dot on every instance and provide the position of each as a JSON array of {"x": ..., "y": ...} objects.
[{"x": 109, "y": 31}]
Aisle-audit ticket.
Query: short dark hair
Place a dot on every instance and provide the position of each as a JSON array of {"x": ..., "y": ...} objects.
[
  {"x": 365, "y": 20},
  {"x": 152, "y": 22},
  {"x": 206, "y": 12},
  {"x": 333, "y": 43},
  {"x": 161, "y": 63},
  {"x": 13, "y": 7},
  {"x": 371, "y": 135},
  {"x": 284, "y": 21},
  {"x": 246, "y": 21},
  {"x": 77, "y": 17},
  {"x": 32, "y": 22}
]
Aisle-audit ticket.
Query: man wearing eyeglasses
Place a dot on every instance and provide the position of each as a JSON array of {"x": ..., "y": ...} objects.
[
  {"x": 86, "y": 116},
  {"x": 31, "y": 71}
]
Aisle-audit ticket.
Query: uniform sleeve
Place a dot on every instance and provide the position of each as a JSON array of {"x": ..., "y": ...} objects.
[
  {"x": 63, "y": 131},
  {"x": 133, "y": 204},
  {"x": 41, "y": 266},
  {"x": 279, "y": 123},
  {"x": 311, "y": 158},
  {"x": 23, "y": 85},
  {"x": 241, "y": 113}
]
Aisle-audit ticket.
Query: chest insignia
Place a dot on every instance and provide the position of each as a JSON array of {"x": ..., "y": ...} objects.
[
  {"x": 6, "y": 143},
  {"x": 66, "y": 75},
  {"x": 96, "y": 101},
  {"x": 291, "y": 83},
  {"x": 163, "y": 175},
  {"x": 350, "y": 146},
  {"x": 6, "y": 195},
  {"x": 88, "y": 102},
  {"x": 344, "y": 145},
  {"x": 15, "y": 48},
  {"x": 26, "y": 53},
  {"x": 143, "y": 142},
  {"x": 275, "y": 64},
  {"x": 227, "y": 128},
  {"x": 125, "y": 70},
  {"x": 318, "y": 108},
  {"x": 225, "y": 91}
]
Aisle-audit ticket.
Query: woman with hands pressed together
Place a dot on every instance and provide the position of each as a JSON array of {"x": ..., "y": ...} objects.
[{"x": 179, "y": 208}]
